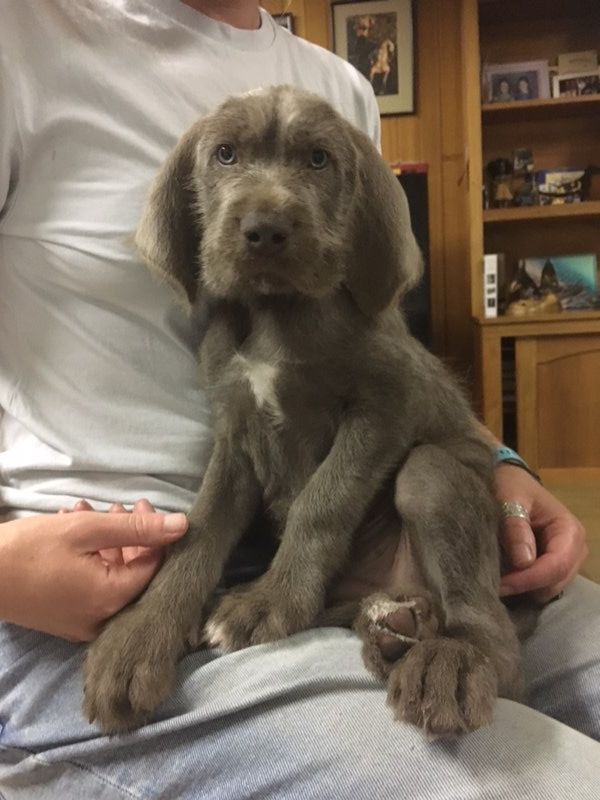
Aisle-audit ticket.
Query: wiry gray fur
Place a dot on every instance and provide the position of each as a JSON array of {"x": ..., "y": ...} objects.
[{"x": 328, "y": 412}]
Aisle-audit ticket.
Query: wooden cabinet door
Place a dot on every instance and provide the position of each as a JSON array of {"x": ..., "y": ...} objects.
[{"x": 558, "y": 400}]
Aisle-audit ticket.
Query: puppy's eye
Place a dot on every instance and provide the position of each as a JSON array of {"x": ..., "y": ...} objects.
[
  {"x": 319, "y": 158},
  {"x": 226, "y": 154}
]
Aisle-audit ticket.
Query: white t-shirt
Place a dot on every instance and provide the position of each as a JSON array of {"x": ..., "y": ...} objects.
[{"x": 99, "y": 394}]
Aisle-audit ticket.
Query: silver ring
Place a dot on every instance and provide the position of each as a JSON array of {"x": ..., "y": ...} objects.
[{"x": 512, "y": 509}]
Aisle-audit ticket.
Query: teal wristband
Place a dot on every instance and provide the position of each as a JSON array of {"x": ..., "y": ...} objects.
[{"x": 506, "y": 455}]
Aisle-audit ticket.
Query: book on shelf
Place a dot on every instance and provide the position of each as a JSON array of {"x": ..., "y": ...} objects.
[{"x": 493, "y": 279}]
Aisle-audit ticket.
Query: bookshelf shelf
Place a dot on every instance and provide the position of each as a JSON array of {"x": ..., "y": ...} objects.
[
  {"x": 562, "y": 322},
  {"x": 541, "y": 109},
  {"x": 590, "y": 208}
]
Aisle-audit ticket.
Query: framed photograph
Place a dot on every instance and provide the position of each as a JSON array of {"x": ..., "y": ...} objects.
[
  {"x": 576, "y": 84},
  {"x": 377, "y": 38},
  {"x": 508, "y": 83},
  {"x": 286, "y": 21}
]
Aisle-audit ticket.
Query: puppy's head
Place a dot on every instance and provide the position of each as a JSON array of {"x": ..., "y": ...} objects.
[{"x": 275, "y": 193}]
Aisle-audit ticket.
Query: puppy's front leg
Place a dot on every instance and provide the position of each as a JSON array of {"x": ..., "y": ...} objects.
[
  {"x": 315, "y": 542},
  {"x": 131, "y": 667}
]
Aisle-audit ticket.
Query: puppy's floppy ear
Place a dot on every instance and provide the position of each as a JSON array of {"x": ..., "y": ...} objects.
[
  {"x": 384, "y": 258},
  {"x": 168, "y": 236}
]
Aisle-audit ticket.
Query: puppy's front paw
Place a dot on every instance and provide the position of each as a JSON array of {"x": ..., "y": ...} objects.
[
  {"x": 445, "y": 686},
  {"x": 254, "y": 614},
  {"x": 129, "y": 670}
]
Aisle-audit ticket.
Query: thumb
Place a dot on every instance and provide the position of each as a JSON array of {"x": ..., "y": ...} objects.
[
  {"x": 518, "y": 542},
  {"x": 91, "y": 531}
]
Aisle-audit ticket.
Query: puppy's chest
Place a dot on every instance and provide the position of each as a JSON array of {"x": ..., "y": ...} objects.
[
  {"x": 262, "y": 381},
  {"x": 282, "y": 414},
  {"x": 279, "y": 398}
]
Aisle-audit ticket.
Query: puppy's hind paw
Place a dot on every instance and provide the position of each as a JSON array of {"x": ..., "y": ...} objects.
[
  {"x": 446, "y": 686},
  {"x": 390, "y": 627}
]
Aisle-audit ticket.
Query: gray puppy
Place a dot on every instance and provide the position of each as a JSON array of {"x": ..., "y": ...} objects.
[{"x": 327, "y": 412}]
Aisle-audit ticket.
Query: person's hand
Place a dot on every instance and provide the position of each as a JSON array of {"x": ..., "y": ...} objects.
[
  {"x": 66, "y": 574},
  {"x": 542, "y": 557}
]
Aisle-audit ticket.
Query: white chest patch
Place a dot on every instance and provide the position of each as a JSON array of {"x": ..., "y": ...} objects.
[{"x": 262, "y": 378}]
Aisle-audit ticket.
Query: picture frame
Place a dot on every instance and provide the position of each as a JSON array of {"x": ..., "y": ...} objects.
[
  {"x": 286, "y": 21},
  {"x": 377, "y": 38},
  {"x": 576, "y": 84},
  {"x": 515, "y": 82}
]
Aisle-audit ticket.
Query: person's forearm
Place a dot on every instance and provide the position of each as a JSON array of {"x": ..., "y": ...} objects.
[{"x": 5, "y": 573}]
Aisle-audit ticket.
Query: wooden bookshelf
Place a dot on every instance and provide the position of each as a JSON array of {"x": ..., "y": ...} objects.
[{"x": 556, "y": 356}]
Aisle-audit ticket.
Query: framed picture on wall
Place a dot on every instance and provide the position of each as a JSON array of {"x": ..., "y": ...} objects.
[
  {"x": 286, "y": 21},
  {"x": 377, "y": 38}
]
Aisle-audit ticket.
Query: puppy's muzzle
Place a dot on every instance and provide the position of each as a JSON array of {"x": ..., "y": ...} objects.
[{"x": 265, "y": 232}]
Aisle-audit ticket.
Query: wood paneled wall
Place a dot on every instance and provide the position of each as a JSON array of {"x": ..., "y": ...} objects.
[{"x": 436, "y": 134}]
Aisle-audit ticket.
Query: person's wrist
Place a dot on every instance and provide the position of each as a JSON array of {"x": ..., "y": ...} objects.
[{"x": 506, "y": 455}]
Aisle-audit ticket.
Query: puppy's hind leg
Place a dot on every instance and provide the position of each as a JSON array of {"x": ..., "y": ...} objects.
[{"x": 449, "y": 684}]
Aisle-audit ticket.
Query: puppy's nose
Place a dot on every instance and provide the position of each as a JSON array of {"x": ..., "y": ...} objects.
[{"x": 265, "y": 232}]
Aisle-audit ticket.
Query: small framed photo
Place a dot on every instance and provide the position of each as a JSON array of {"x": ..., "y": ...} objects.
[
  {"x": 286, "y": 21},
  {"x": 576, "y": 84},
  {"x": 377, "y": 38},
  {"x": 508, "y": 83}
]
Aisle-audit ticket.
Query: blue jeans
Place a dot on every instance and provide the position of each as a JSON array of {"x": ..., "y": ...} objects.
[{"x": 303, "y": 719}]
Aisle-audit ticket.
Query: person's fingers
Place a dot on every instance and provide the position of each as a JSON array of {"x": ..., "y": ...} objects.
[
  {"x": 548, "y": 571},
  {"x": 131, "y": 553},
  {"x": 543, "y": 596},
  {"x": 143, "y": 506},
  {"x": 518, "y": 542},
  {"x": 560, "y": 558},
  {"x": 128, "y": 580},
  {"x": 91, "y": 532},
  {"x": 112, "y": 555},
  {"x": 123, "y": 555},
  {"x": 82, "y": 505},
  {"x": 575, "y": 552}
]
